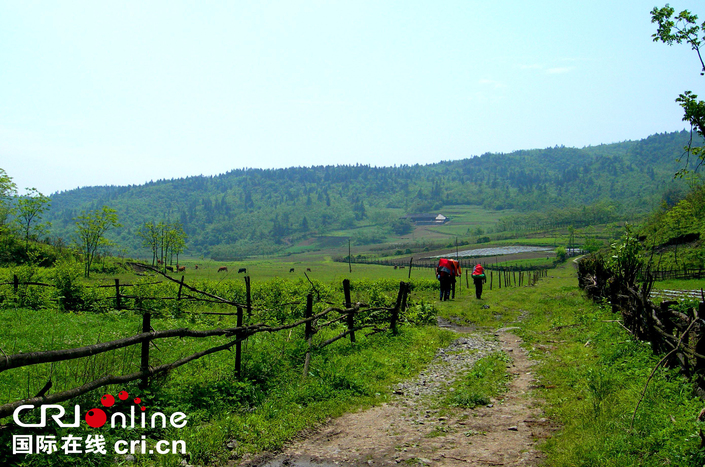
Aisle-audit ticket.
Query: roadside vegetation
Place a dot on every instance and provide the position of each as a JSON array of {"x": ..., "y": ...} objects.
[{"x": 591, "y": 373}]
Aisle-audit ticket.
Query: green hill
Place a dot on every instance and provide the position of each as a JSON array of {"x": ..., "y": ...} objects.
[{"x": 256, "y": 211}]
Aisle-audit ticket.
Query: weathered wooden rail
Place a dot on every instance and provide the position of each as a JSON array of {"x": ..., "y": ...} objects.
[
  {"x": 667, "y": 327},
  {"x": 349, "y": 314}
]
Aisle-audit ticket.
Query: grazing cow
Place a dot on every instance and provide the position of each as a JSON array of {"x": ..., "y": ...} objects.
[
  {"x": 195, "y": 266},
  {"x": 402, "y": 267},
  {"x": 182, "y": 268},
  {"x": 291, "y": 270},
  {"x": 396, "y": 267},
  {"x": 308, "y": 269},
  {"x": 160, "y": 261},
  {"x": 169, "y": 268},
  {"x": 242, "y": 270},
  {"x": 223, "y": 268}
]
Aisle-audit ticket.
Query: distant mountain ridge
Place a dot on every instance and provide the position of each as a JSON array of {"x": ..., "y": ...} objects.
[{"x": 258, "y": 211}]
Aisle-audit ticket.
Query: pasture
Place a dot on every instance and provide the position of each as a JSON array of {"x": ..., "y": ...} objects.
[
  {"x": 264, "y": 270},
  {"x": 274, "y": 401}
]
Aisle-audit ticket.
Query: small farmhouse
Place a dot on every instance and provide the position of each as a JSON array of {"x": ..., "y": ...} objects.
[{"x": 427, "y": 219}]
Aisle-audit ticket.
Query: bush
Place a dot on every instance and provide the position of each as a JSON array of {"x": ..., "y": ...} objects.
[
  {"x": 421, "y": 313},
  {"x": 66, "y": 276},
  {"x": 561, "y": 254}
]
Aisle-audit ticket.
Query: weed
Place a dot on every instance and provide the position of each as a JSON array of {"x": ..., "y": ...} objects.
[{"x": 487, "y": 379}]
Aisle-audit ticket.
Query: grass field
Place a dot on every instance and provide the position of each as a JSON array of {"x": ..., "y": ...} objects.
[
  {"x": 263, "y": 270},
  {"x": 590, "y": 371}
]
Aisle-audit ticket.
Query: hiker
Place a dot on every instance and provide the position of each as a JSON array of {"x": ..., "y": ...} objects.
[
  {"x": 444, "y": 272},
  {"x": 458, "y": 273},
  {"x": 478, "y": 277}
]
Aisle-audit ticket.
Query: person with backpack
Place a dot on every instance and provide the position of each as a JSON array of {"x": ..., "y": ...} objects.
[
  {"x": 444, "y": 272},
  {"x": 457, "y": 273},
  {"x": 478, "y": 278}
]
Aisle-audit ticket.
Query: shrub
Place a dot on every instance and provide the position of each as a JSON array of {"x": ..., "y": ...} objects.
[
  {"x": 66, "y": 275},
  {"x": 561, "y": 254}
]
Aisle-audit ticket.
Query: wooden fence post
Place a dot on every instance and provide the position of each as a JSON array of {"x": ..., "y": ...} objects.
[
  {"x": 411, "y": 261},
  {"x": 118, "y": 304},
  {"x": 181, "y": 286},
  {"x": 407, "y": 289},
  {"x": 348, "y": 305},
  {"x": 144, "y": 361},
  {"x": 397, "y": 307},
  {"x": 308, "y": 332},
  {"x": 238, "y": 346},
  {"x": 178, "y": 295},
  {"x": 248, "y": 296}
]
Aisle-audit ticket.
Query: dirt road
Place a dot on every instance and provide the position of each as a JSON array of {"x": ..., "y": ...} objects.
[{"x": 410, "y": 430}]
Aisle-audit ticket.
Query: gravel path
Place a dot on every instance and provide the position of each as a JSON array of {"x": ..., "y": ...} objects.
[{"x": 410, "y": 430}]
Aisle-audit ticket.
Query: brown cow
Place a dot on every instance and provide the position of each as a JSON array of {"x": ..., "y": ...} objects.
[
  {"x": 182, "y": 268},
  {"x": 195, "y": 266},
  {"x": 223, "y": 268}
]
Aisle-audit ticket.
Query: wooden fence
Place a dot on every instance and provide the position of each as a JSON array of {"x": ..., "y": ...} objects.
[
  {"x": 374, "y": 319},
  {"x": 512, "y": 278},
  {"x": 667, "y": 327},
  {"x": 677, "y": 273},
  {"x": 499, "y": 276}
]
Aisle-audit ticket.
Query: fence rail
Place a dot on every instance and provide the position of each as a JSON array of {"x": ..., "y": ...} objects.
[
  {"x": 676, "y": 273},
  {"x": 432, "y": 264},
  {"x": 373, "y": 319},
  {"x": 667, "y": 328}
]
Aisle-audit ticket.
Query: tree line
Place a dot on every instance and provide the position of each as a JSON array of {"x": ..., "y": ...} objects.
[
  {"x": 254, "y": 211},
  {"x": 22, "y": 224}
]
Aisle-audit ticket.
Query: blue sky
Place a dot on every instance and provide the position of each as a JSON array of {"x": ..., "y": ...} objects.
[{"x": 118, "y": 93}]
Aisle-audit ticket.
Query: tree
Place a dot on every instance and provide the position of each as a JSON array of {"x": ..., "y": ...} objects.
[
  {"x": 92, "y": 226},
  {"x": 150, "y": 239},
  {"x": 677, "y": 30},
  {"x": 163, "y": 239},
  {"x": 177, "y": 239},
  {"x": 8, "y": 189},
  {"x": 30, "y": 209},
  {"x": 402, "y": 226}
]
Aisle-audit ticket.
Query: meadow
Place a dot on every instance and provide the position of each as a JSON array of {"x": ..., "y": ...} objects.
[{"x": 590, "y": 370}]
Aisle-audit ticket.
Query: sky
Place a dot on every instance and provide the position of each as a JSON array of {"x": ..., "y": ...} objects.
[{"x": 124, "y": 92}]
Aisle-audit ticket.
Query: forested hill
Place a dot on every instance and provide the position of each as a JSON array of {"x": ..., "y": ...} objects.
[{"x": 257, "y": 211}]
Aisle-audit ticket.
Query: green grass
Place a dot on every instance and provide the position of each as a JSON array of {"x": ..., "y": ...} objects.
[
  {"x": 590, "y": 371},
  {"x": 593, "y": 373},
  {"x": 590, "y": 374},
  {"x": 261, "y": 411},
  {"x": 264, "y": 270},
  {"x": 267, "y": 407},
  {"x": 486, "y": 380},
  {"x": 680, "y": 284},
  {"x": 542, "y": 262}
]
